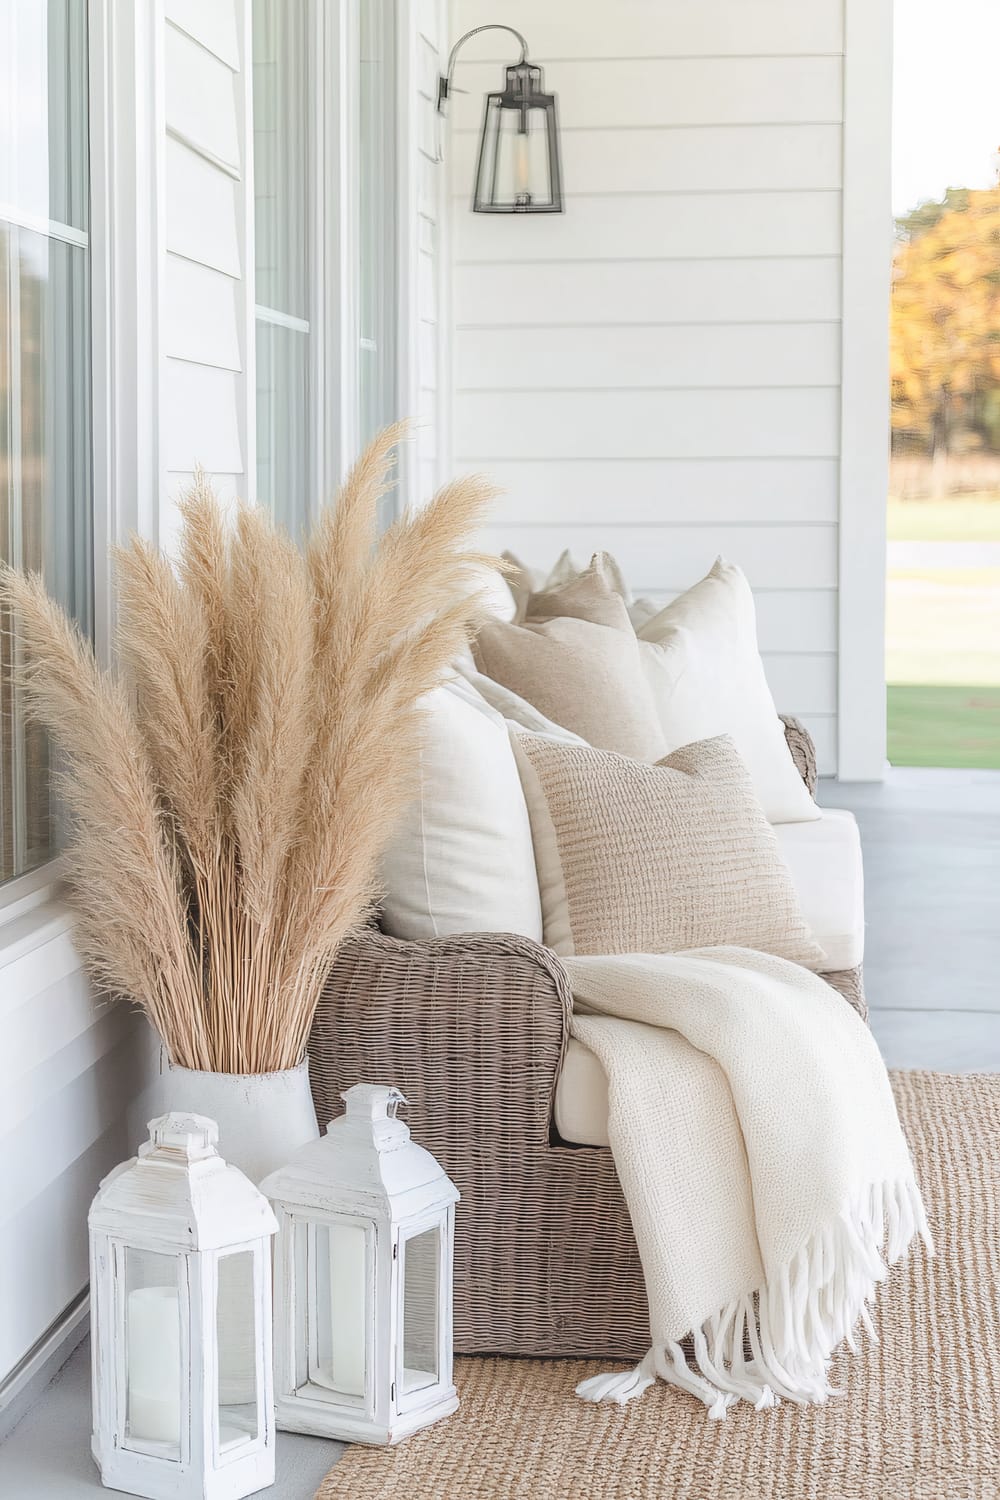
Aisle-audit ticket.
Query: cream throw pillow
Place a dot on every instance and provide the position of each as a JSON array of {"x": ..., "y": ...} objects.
[
  {"x": 587, "y": 677},
  {"x": 461, "y": 858},
  {"x": 634, "y": 858},
  {"x": 702, "y": 664}
]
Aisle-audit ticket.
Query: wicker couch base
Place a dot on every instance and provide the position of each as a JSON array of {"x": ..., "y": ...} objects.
[{"x": 473, "y": 1030}]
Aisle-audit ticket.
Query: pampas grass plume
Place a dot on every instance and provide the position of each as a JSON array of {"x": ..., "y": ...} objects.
[{"x": 232, "y": 783}]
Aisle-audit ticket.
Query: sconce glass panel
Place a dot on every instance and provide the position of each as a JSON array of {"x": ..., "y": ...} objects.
[{"x": 519, "y": 171}]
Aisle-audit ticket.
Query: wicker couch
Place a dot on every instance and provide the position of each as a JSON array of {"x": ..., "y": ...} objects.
[{"x": 474, "y": 1029}]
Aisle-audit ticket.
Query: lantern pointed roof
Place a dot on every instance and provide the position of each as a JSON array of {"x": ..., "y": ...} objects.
[
  {"x": 366, "y": 1159},
  {"x": 179, "y": 1192}
]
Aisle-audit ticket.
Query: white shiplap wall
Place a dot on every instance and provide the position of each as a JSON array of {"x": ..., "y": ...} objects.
[
  {"x": 657, "y": 371},
  {"x": 207, "y": 325}
]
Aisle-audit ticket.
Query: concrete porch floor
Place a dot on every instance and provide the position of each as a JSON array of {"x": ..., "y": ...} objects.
[
  {"x": 932, "y": 973},
  {"x": 931, "y": 842}
]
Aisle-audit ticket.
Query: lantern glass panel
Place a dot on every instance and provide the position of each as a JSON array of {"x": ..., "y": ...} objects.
[
  {"x": 514, "y": 170},
  {"x": 153, "y": 1367},
  {"x": 421, "y": 1278},
  {"x": 236, "y": 1339},
  {"x": 334, "y": 1259}
]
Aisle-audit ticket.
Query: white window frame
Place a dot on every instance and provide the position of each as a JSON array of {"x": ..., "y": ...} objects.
[
  {"x": 21, "y": 896},
  {"x": 126, "y": 132}
]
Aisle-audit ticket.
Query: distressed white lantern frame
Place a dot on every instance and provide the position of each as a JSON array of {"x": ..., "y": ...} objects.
[
  {"x": 351, "y": 1208},
  {"x": 169, "y": 1422}
]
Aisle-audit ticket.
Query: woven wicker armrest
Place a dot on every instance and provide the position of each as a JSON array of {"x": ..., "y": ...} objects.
[
  {"x": 472, "y": 1028},
  {"x": 800, "y": 743}
]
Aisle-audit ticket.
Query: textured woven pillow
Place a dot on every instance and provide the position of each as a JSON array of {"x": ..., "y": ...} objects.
[
  {"x": 587, "y": 677},
  {"x": 655, "y": 859}
]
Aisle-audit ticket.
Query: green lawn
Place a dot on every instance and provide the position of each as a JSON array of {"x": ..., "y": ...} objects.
[
  {"x": 943, "y": 640},
  {"x": 967, "y": 518},
  {"x": 944, "y": 726}
]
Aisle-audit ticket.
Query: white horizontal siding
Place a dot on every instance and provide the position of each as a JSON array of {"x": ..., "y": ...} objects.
[
  {"x": 200, "y": 97},
  {"x": 201, "y": 315},
  {"x": 727, "y": 354},
  {"x": 212, "y": 23},
  {"x": 631, "y": 491},
  {"x": 790, "y": 622},
  {"x": 657, "y": 370},
  {"x": 592, "y": 293},
  {"x": 206, "y": 303},
  {"x": 662, "y": 28},
  {"x": 647, "y": 226},
  {"x": 664, "y": 91},
  {"x": 202, "y": 211},
  {"x": 201, "y": 418},
  {"x": 809, "y": 680},
  {"x": 686, "y": 159},
  {"x": 68, "y": 1069},
  {"x": 668, "y": 559},
  {"x": 823, "y": 729},
  {"x": 792, "y": 423}
]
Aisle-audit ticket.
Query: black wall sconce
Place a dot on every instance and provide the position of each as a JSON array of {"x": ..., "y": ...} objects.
[{"x": 518, "y": 169}]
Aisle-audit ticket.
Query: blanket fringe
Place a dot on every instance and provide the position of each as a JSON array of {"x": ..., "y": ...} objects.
[{"x": 776, "y": 1343}]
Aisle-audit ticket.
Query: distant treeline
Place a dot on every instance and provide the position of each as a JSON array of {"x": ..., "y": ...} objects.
[{"x": 945, "y": 326}]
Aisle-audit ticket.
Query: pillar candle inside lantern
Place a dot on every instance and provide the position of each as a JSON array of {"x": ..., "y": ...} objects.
[
  {"x": 341, "y": 1365},
  {"x": 154, "y": 1364}
]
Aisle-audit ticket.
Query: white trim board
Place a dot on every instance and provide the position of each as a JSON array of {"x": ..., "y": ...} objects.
[
  {"x": 864, "y": 462},
  {"x": 43, "y": 1361}
]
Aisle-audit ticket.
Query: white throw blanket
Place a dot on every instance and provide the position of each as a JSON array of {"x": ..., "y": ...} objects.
[{"x": 756, "y": 1139}]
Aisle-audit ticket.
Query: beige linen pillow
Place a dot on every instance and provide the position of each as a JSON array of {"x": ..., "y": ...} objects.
[
  {"x": 587, "y": 677},
  {"x": 655, "y": 859},
  {"x": 591, "y": 595}
]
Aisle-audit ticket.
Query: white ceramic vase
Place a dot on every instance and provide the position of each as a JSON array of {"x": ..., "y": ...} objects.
[{"x": 263, "y": 1118}]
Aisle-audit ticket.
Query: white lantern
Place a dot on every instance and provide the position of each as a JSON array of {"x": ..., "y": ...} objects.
[
  {"x": 363, "y": 1275},
  {"x": 180, "y": 1275}
]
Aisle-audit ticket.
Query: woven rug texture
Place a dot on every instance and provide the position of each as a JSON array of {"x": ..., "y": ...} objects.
[{"x": 919, "y": 1418}]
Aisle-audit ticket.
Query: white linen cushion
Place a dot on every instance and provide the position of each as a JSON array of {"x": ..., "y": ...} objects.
[
  {"x": 581, "y": 1102},
  {"x": 828, "y": 874},
  {"x": 704, "y": 669},
  {"x": 462, "y": 859}
]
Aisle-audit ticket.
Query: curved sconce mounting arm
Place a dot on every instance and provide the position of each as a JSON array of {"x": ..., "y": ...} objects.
[{"x": 444, "y": 81}]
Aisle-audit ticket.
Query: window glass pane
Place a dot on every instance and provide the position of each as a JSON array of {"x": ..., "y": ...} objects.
[
  {"x": 45, "y": 493},
  {"x": 281, "y": 154},
  {"x": 43, "y": 109},
  {"x": 282, "y": 229},
  {"x": 236, "y": 1338},
  {"x": 154, "y": 1403},
  {"x": 420, "y": 1310},
  {"x": 282, "y": 422}
]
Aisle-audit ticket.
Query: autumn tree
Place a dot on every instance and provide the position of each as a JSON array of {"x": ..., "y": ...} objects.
[{"x": 945, "y": 323}]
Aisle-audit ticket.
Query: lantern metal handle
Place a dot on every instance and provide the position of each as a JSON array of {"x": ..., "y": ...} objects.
[{"x": 444, "y": 81}]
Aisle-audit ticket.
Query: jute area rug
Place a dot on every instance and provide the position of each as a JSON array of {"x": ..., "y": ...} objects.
[{"x": 919, "y": 1418}]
